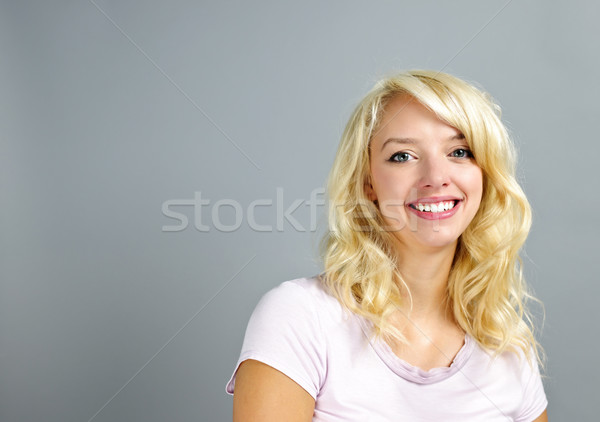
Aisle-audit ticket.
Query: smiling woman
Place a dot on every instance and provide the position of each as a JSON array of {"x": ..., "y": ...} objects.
[{"x": 420, "y": 313}]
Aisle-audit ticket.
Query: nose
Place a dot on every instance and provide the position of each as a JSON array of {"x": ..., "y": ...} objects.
[{"x": 434, "y": 173}]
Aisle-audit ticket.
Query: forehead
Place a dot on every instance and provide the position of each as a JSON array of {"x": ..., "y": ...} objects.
[{"x": 405, "y": 117}]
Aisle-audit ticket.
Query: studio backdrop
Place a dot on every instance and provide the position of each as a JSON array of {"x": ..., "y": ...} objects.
[{"x": 163, "y": 164}]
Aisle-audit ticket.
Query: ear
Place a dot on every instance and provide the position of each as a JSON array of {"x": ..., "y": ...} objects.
[{"x": 369, "y": 191}]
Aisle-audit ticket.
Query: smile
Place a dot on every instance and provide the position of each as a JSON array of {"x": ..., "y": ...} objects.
[{"x": 437, "y": 207}]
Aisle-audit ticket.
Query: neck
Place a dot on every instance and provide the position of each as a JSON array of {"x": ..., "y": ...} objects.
[{"x": 426, "y": 272}]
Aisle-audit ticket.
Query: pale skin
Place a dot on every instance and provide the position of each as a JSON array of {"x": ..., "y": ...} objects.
[{"x": 426, "y": 158}]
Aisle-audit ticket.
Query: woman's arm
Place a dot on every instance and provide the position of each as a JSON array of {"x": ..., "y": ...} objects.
[
  {"x": 263, "y": 394},
  {"x": 542, "y": 418}
]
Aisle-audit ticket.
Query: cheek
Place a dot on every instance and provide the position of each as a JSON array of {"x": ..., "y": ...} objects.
[
  {"x": 391, "y": 190},
  {"x": 474, "y": 183},
  {"x": 388, "y": 184}
]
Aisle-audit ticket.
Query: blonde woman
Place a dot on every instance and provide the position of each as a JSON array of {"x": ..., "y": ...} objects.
[{"x": 420, "y": 313}]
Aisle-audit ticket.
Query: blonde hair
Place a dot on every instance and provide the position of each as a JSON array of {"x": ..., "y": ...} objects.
[{"x": 485, "y": 288}]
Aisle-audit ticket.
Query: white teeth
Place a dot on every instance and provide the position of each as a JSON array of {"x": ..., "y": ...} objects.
[{"x": 439, "y": 207}]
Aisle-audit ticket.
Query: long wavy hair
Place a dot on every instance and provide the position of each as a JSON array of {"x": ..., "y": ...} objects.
[{"x": 485, "y": 288}]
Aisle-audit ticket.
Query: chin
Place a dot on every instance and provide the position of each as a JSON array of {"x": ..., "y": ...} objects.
[{"x": 439, "y": 240}]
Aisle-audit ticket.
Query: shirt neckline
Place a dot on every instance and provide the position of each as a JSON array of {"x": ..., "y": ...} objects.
[{"x": 413, "y": 373}]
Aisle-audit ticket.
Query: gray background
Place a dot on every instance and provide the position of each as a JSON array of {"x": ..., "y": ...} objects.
[{"x": 108, "y": 110}]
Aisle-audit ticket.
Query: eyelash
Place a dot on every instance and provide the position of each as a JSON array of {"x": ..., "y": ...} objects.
[
  {"x": 397, "y": 154},
  {"x": 468, "y": 154}
]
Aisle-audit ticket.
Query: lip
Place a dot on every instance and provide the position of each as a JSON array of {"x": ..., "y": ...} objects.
[{"x": 432, "y": 200}]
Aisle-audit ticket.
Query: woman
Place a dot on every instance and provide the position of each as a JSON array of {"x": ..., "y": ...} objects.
[{"x": 420, "y": 312}]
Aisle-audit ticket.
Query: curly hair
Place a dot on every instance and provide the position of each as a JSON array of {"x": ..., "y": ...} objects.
[{"x": 485, "y": 288}]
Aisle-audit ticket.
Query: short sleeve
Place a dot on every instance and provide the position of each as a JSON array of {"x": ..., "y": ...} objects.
[
  {"x": 534, "y": 397},
  {"x": 284, "y": 332}
]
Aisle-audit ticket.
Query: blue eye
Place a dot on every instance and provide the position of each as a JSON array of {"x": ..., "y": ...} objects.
[
  {"x": 400, "y": 157},
  {"x": 461, "y": 153}
]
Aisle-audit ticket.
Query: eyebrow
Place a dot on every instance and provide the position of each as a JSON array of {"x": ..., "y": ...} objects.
[{"x": 410, "y": 141}]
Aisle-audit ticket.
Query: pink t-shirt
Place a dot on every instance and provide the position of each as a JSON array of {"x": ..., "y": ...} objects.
[{"x": 301, "y": 330}]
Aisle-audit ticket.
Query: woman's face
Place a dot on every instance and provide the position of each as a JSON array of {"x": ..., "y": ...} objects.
[{"x": 426, "y": 182}]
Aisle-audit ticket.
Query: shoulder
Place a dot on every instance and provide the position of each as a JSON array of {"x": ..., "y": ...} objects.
[
  {"x": 307, "y": 297},
  {"x": 534, "y": 399},
  {"x": 307, "y": 287},
  {"x": 286, "y": 332}
]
